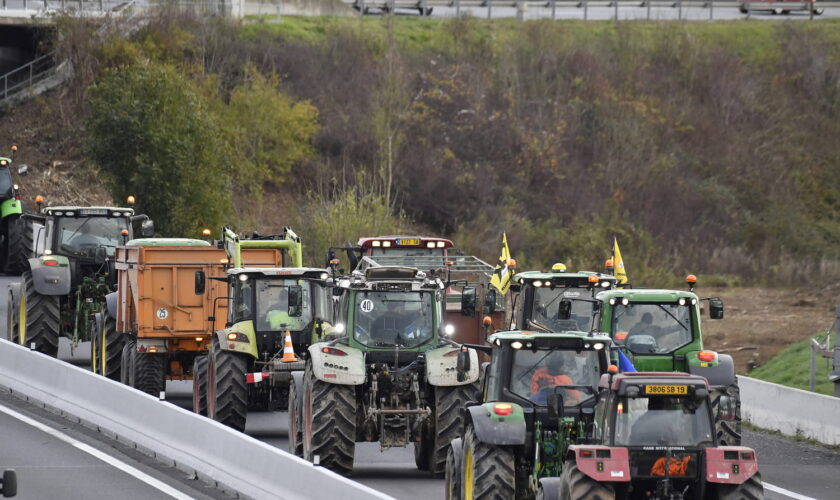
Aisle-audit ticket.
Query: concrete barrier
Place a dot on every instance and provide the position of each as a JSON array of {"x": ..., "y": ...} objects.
[
  {"x": 197, "y": 445},
  {"x": 793, "y": 412}
]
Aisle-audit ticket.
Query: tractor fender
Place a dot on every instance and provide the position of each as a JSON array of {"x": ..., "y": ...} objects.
[
  {"x": 111, "y": 304},
  {"x": 244, "y": 339},
  {"x": 11, "y": 207},
  {"x": 491, "y": 428},
  {"x": 723, "y": 374},
  {"x": 341, "y": 364},
  {"x": 720, "y": 470},
  {"x": 52, "y": 279},
  {"x": 442, "y": 367},
  {"x": 601, "y": 463}
]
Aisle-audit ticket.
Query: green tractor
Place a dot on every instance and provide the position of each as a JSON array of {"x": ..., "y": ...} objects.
[
  {"x": 64, "y": 286},
  {"x": 654, "y": 439},
  {"x": 659, "y": 331},
  {"x": 538, "y": 397},
  {"x": 249, "y": 365},
  {"x": 558, "y": 300},
  {"x": 15, "y": 231},
  {"x": 388, "y": 373}
]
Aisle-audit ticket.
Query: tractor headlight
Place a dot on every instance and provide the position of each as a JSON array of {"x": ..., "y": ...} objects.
[
  {"x": 448, "y": 329},
  {"x": 339, "y": 327}
]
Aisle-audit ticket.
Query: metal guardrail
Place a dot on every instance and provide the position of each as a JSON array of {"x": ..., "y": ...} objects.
[
  {"x": 197, "y": 445},
  {"x": 27, "y": 75}
]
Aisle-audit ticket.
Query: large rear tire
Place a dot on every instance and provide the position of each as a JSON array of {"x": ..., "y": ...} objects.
[
  {"x": 487, "y": 470},
  {"x": 18, "y": 245},
  {"x": 574, "y": 484},
  {"x": 295, "y": 408},
  {"x": 126, "y": 362},
  {"x": 149, "y": 372},
  {"x": 111, "y": 345},
  {"x": 200, "y": 385},
  {"x": 11, "y": 318},
  {"x": 728, "y": 431},
  {"x": 38, "y": 318},
  {"x": 227, "y": 394},
  {"x": 329, "y": 423},
  {"x": 449, "y": 420},
  {"x": 751, "y": 489},
  {"x": 95, "y": 351}
]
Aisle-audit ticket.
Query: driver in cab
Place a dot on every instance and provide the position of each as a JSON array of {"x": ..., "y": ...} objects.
[
  {"x": 277, "y": 316},
  {"x": 391, "y": 322},
  {"x": 549, "y": 376}
]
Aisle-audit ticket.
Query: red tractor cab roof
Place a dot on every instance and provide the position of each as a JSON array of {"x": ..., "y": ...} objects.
[
  {"x": 654, "y": 383},
  {"x": 394, "y": 241}
]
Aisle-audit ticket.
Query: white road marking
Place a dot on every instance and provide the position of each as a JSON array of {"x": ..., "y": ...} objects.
[
  {"x": 142, "y": 476},
  {"x": 787, "y": 493}
]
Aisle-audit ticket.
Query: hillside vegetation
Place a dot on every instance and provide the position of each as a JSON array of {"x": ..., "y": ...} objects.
[{"x": 704, "y": 147}]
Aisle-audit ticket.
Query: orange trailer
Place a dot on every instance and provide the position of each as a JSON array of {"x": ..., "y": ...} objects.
[{"x": 165, "y": 323}]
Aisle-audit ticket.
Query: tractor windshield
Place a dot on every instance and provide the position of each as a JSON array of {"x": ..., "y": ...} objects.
[
  {"x": 546, "y": 306},
  {"x": 283, "y": 304},
  {"x": 407, "y": 251},
  {"x": 660, "y": 420},
  {"x": 81, "y": 236},
  {"x": 388, "y": 319},
  {"x": 648, "y": 328},
  {"x": 535, "y": 374}
]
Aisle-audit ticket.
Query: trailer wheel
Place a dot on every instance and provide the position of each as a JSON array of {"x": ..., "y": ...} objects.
[
  {"x": 199, "y": 372},
  {"x": 449, "y": 401},
  {"x": 453, "y": 470},
  {"x": 148, "y": 372},
  {"x": 728, "y": 430},
  {"x": 295, "y": 409},
  {"x": 487, "y": 470},
  {"x": 227, "y": 391},
  {"x": 111, "y": 344},
  {"x": 126, "y": 362},
  {"x": 19, "y": 238},
  {"x": 329, "y": 418},
  {"x": 751, "y": 489},
  {"x": 575, "y": 484},
  {"x": 38, "y": 318}
]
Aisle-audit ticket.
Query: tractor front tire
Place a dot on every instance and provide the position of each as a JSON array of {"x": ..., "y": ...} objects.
[
  {"x": 329, "y": 418},
  {"x": 549, "y": 488},
  {"x": 38, "y": 318},
  {"x": 295, "y": 408},
  {"x": 11, "y": 318},
  {"x": 487, "y": 470},
  {"x": 452, "y": 476},
  {"x": 751, "y": 489},
  {"x": 148, "y": 372},
  {"x": 728, "y": 431},
  {"x": 111, "y": 345},
  {"x": 18, "y": 245},
  {"x": 227, "y": 393},
  {"x": 449, "y": 419},
  {"x": 199, "y": 373},
  {"x": 574, "y": 484},
  {"x": 95, "y": 351}
]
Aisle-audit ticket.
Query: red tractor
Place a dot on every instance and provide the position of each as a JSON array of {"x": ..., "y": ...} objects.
[{"x": 654, "y": 438}]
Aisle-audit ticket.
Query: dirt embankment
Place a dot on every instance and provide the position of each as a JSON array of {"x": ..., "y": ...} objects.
[{"x": 760, "y": 322}]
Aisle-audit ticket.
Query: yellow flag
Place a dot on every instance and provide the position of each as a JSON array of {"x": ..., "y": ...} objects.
[
  {"x": 503, "y": 272},
  {"x": 618, "y": 262}
]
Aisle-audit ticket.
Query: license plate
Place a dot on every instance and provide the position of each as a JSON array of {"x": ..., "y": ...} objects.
[
  {"x": 408, "y": 242},
  {"x": 666, "y": 389}
]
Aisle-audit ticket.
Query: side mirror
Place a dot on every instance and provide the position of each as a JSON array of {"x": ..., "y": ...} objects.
[
  {"x": 200, "y": 282},
  {"x": 554, "y": 402},
  {"x": 701, "y": 393},
  {"x": 23, "y": 170},
  {"x": 564, "y": 310},
  {"x": 468, "y": 300},
  {"x": 463, "y": 365},
  {"x": 147, "y": 228},
  {"x": 295, "y": 301},
  {"x": 490, "y": 301},
  {"x": 100, "y": 255},
  {"x": 715, "y": 308}
]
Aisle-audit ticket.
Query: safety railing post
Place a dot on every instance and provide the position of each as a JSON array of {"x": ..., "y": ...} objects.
[
  {"x": 489, "y": 9},
  {"x": 679, "y": 10},
  {"x": 811, "y": 11},
  {"x": 647, "y": 3},
  {"x": 711, "y": 9},
  {"x": 585, "y": 10},
  {"x": 553, "y": 9},
  {"x": 615, "y": 4},
  {"x": 457, "y": 8}
]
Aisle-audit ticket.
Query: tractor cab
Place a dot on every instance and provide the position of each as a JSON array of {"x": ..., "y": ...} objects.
[
  {"x": 558, "y": 300},
  {"x": 8, "y": 190}
]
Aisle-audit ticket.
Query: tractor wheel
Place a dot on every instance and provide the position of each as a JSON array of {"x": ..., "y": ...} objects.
[
  {"x": 111, "y": 343},
  {"x": 11, "y": 315},
  {"x": 751, "y": 489},
  {"x": 549, "y": 488},
  {"x": 487, "y": 470},
  {"x": 126, "y": 362},
  {"x": 453, "y": 470},
  {"x": 329, "y": 419},
  {"x": 728, "y": 431},
  {"x": 449, "y": 401},
  {"x": 199, "y": 372},
  {"x": 95, "y": 351},
  {"x": 295, "y": 410},
  {"x": 574, "y": 484},
  {"x": 148, "y": 372},
  {"x": 227, "y": 391},
  {"x": 743, "y": 8},
  {"x": 38, "y": 318},
  {"x": 18, "y": 245}
]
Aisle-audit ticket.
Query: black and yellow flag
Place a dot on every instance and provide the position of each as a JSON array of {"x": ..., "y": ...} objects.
[
  {"x": 618, "y": 262},
  {"x": 504, "y": 269}
]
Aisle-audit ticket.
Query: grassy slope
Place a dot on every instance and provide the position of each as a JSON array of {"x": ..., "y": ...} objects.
[{"x": 791, "y": 368}]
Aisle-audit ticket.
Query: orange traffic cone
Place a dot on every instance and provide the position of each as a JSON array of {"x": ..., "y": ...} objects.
[{"x": 288, "y": 350}]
